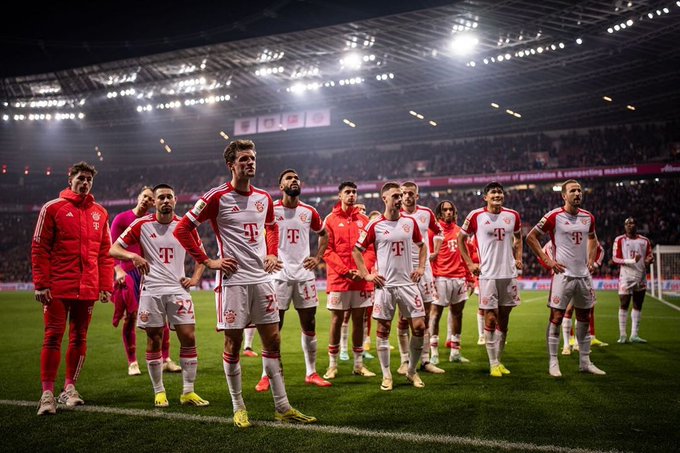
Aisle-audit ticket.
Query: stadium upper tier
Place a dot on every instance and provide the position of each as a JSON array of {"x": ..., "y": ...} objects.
[{"x": 465, "y": 69}]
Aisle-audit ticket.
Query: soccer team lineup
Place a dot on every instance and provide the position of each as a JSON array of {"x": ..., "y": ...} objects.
[{"x": 389, "y": 271}]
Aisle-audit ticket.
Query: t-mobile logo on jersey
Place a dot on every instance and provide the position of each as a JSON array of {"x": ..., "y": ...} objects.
[
  {"x": 398, "y": 248},
  {"x": 166, "y": 254},
  {"x": 251, "y": 232},
  {"x": 453, "y": 245},
  {"x": 499, "y": 233},
  {"x": 577, "y": 237},
  {"x": 293, "y": 236}
]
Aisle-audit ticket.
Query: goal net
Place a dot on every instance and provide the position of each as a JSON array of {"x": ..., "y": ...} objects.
[{"x": 665, "y": 273}]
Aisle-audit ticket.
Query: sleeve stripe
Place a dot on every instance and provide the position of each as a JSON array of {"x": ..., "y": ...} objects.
[{"x": 41, "y": 219}]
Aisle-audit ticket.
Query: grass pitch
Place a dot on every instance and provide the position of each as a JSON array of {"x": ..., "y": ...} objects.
[{"x": 636, "y": 407}]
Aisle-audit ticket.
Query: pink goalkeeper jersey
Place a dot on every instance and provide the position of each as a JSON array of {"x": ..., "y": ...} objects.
[
  {"x": 163, "y": 252},
  {"x": 426, "y": 221},
  {"x": 238, "y": 220},
  {"x": 569, "y": 235},
  {"x": 494, "y": 234},
  {"x": 294, "y": 227},
  {"x": 394, "y": 241},
  {"x": 120, "y": 223}
]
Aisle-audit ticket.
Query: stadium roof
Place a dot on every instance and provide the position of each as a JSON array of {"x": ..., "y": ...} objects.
[{"x": 533, "y": 66}]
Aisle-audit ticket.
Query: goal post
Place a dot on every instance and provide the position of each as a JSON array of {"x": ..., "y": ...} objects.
[{"x": 665, "y": 273}]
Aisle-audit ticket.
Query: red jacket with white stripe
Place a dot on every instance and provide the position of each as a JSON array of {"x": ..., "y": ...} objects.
[
  {"x": 70, "y": 249},
  {"x": 343, "y": 228}
]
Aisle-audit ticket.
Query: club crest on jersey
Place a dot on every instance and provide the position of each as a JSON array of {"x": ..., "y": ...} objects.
[
  {"x": 335, "y": 299},
  {"x": 556, "y": 300},
  {"x": 422, "y": 219},
  {"x": 303, "y": 217},
  {"x": 259, "y": 206},
  {"x": 144, "y": 316},
  {"x": 377, "y": 308},
  {"x": 507, "y": 221},
  {"x": 406, "y": 228},
  {"x": 198, "y": 207},
  {"x": 584, "y": 221},
  {"x": 360, "y": 223},
  {"x": 485, "y": 301},
  {"x": 96, "y": 216},
  {"x": 230, "y": 316}
]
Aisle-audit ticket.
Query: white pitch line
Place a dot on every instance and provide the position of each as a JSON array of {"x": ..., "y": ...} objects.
[
  {"x": 673, "y": 306},
  {"x": 327, "y": 429}
]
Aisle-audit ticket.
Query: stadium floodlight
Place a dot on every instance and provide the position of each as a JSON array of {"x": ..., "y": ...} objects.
[
  {"x": 349, "y": 123},
  {"x": 494, "y": 105},
  {"x": 351, "y": 61},
  {"x": 579, "y": 41},
  {"x": 610, "y": 30},
  {"x": 630, "y": 107},
  {"x": 433, "y": 123},
  {"x": 5, "y": 117},
  {"x": 464, "y": 43},
  {"x": 607, "y": 98},
  {"x": 629, "y": 22}
]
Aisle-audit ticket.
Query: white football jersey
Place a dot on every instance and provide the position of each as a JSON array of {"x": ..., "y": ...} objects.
[
  {"x": 163, "y": 252},
  {"x": 238, "y": 220},
  {"x": 569, "y": 236},
  {"x": 394, "y": 241},
  {"x": 495, "y": 236},
  {"x": 426, "y": 221},
  {"x": 624, "y": 252},
  {"x": 294, "y": 227}
]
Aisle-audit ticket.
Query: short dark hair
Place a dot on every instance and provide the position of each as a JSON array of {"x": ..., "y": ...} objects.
[
  {"x": 410, "y": 184},
  {"x": 346, "y": 184},
  {"x": 493, "y": 185},
  {"x": 141, "y": 191},
  {"x": 438, "y": 211},
  {"x": 81, "y": 166},
  {"x": 162, "y": 186},
  {"x": 629, "y": 220},
  {"x": 568, "y": 181},
  {"x": 283, "y": 173},
  {"x": 234, "y": 147},
  {"x": 389, "y": 185}
]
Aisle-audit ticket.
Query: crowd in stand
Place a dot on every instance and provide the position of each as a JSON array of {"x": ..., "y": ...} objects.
[
  {"x": 611, "y": 202},
  {"x": 597, "y": 147}
]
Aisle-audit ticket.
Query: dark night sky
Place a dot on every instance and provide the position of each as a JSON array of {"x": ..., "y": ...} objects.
[{"x": 62, "y": 35}]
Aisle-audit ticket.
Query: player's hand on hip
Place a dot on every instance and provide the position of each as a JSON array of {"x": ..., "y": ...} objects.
[
  {"x": 555, "y": 266},
  {"x": 417, "y": 274},
  {"x": 104, "y": 297},
  {"x": 44, "y": 296},
  {"x": 377, "y": 279},
  {"x": 272, "y": 264},
  {"x": 141, "y": 264},
  {"x": 311, "y": 263}
]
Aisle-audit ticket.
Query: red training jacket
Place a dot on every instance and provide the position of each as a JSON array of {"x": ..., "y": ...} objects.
[
  {"x": 343, "y": 230},
  {"x": 70, "y": 249}
]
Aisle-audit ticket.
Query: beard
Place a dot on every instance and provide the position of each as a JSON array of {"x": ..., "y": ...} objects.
[{"x": 292, "y": 192}]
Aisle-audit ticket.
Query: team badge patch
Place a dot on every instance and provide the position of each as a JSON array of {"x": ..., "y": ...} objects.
[
  {"x": 259, "y": 206},
  {"x": 406, "y": 228},
  {"x": 96, "y": 216},
  {"x": 507, "y": 221},
  {"x": 556, "y": 300},
  {"x": 198, "y": 207},
  {"x": 485, "y": 301},
  {"x": 303, "y": 217},
  {"x": 230, "y": 316},
  {"x": 144, "y": 316},
  {"x": 584, "y": 221},
  {"x": 422, "y": 219},
  {"x": 360, "y": 223}
]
